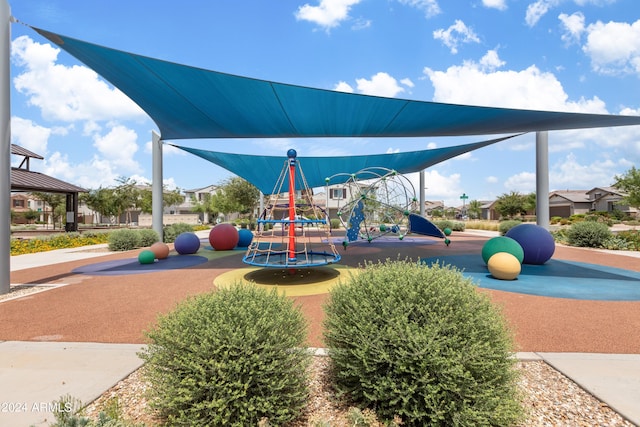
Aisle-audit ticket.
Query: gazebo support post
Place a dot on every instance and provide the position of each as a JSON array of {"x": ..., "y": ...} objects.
[
  {"x": 5, "y": 149},
  {"x": 542, "y": 179},
  {"x": 156, "y": 186}
]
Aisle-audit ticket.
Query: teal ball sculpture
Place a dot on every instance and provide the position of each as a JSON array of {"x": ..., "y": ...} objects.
[
  {"x": 146, "y": 257},
  {"x": 245, "y": 237},
  {"x": 186, "y": 243},
  {"x": 502, "y": 244},
  {"x": 536, "y": 241}
]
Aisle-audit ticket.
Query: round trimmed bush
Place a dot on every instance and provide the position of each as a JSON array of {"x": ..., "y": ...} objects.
[
  {"x": 422, "y": 344},
  {"x": 588, "y": 234},
  {"x": 229, "y": 358},
  {"x": 148, "y": 237},
  {"x": 502, "y": 244},
  {"x": 123, "y": 240}
]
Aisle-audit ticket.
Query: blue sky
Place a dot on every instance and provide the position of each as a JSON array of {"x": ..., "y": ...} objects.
[{"x": 561, "y": 55}]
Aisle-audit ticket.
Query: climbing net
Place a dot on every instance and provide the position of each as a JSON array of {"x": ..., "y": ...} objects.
[{"x": 377, "y": 203}]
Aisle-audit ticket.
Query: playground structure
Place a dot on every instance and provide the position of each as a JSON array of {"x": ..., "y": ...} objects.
[
  {"x": 292, "y": 233},
  {"x": 380, "y": 202}
]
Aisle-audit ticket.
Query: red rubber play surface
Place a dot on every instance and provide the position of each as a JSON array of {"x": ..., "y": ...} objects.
[{"x": 117, "y": 308}]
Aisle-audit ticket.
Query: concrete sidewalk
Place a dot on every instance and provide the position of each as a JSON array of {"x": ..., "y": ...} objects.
[{"x": 35, "y": 375}]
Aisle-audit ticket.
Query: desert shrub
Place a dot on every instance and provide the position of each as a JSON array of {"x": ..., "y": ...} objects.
[
  {"x": 172, "y": 231},
  {"x": 231, "y": 357},
  {"x": 147, "y": 237},
  {"x": 507, "y": 225},
  {"x": 451, "y": 225},
  {"x": 588, "y": 234},
  {"x": 422, "y": 344},
  {"x": 632, "y": 237},
  {"x": 616, "y": 243},
  {"x": 335, "y": 223},
  {"x": 555, "y": 219},
  {"x": 124, "y": 240}
]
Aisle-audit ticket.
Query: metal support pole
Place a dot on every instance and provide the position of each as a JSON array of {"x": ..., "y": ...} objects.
[
  {"x": 422, "y": 196},
  {"x": 156, "y": 185},
  {"x": 5, "y": 149},
  {"x": 542, "y": 179}
]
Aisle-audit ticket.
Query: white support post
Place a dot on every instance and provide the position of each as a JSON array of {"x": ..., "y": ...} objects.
[
  {"x": 5, "y": 149},
  {"x": 156, "y": 185},
  {"x": 542, "y": 179},
  {"x": 422, "y": 196}
]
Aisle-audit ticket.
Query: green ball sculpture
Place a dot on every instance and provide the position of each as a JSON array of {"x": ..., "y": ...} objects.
[
  {"x": 502, "y": 244},
  {"x": 146, "y": 257}
]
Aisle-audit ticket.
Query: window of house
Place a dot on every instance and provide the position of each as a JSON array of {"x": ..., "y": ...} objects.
[
  {"x": 18, "y": 203},
  {"x": 338, "y": 193}
]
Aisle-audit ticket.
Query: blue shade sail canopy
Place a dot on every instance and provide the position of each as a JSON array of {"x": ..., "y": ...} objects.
[
  {"x": 191, "y": 103},
  {"x": 264, "y": 171}
]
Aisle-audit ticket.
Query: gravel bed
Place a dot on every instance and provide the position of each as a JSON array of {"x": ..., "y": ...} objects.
[{"x": 549, "y": 398}]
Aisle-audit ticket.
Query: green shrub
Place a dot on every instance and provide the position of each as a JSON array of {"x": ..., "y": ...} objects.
[
  {"x": 588, "y": 234},
  {"x": 231, "y": 357},
  {"x": 147, "y": 237},
  {"x": 507, "y": 225},
  {"x": 632, "y": 237},
  {"x": 335, "y": 223},
  {"x": 123, "y": 240},
  {"x": 451, "y": 225},
  {"x": 422, "y": 344},
  {"x": 172, "y": 231}
]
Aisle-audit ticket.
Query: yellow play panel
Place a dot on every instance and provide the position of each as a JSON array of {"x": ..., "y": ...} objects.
[{"x": 290, "y": 282}]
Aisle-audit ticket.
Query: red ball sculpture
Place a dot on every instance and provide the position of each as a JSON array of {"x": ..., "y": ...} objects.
[{"x": 224, "y": 237}]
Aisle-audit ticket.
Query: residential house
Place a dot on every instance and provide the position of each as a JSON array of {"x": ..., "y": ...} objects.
[
  {"x": 564, "y": 203},
  {"x": 607, "y": 199}
]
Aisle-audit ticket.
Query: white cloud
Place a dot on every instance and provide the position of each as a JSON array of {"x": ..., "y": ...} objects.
[
  {"x": 429, "y": 7},
  {"x": 29, "y": 135},
  {"x": 614, "y": 47},
  {"x": 482, "y": 83},
  {"x": 343, "y": 87},
  {"x": 328, "y": 14},
  {"x": 456, "y": 34},
  {"x": 119, "y": 146},
  {"x": 537, "y": 9},
  {"x": 381, "y": 84},
  {"x": 495, "y": 4},
  {"x": 568, "y": 173},
  {"x": 442, "y": 187},
  {"x": 573, "y": 27},
  {"x": 66, "y": 93},
  {"x": 491, "y": 179},
  {"x": 523, "y": 182}
]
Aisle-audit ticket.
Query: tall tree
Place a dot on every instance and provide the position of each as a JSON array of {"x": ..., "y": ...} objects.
[
  {"x": 629, "y": 183},
  {"x": 53, "y": 200},
  {"x": 511, "y": 204},
  {"x": 238, "y": 195},
  {"x": 474, "y": 209}
]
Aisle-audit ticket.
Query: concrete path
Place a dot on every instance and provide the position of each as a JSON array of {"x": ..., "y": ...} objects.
[{"x": 35, "y": 375}]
